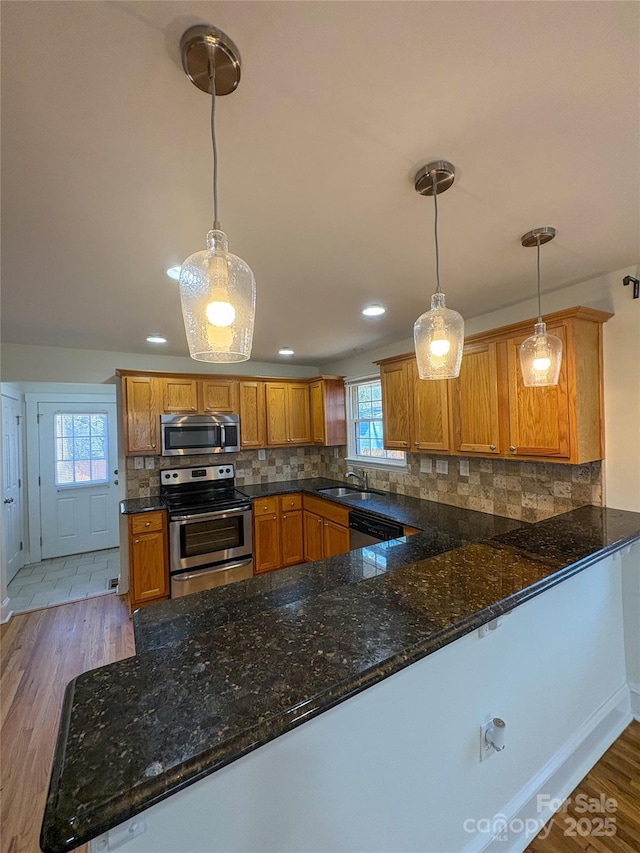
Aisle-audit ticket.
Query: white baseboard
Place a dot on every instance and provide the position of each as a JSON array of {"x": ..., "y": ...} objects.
[
  {"x": 5, "y": 611},
  {"x": 521, "y": 817},
  {"x": 635, "y": 699}
]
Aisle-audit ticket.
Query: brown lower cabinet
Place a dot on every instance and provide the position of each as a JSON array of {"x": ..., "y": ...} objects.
[
  {"x": 277, "y": 532},
  {"x": 291, "y": 529},
  {"x": 148, "y": 558}
]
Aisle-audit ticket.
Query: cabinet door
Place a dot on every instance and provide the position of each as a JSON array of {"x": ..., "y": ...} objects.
[
  {"x": 266, "y": 543},
  {"x": 218, "y": 395},
  {"x": 142, "y": 407},
  {"x": 148, "y": 566},
  {"x": 316, "y": 409},
  {"x": 336, "y": 538},
  {"x": 313, "y": 537},
  {"x": 252, "y": 417},
  {"x": 395, "y": 404},
  {"x": 179, "y": 396},
  {"x": 430, "y": 415},
  {"x": 475, "y": 401},
  {"x": 276, "y": 405},
  {"x": 292, "y": 538},
  {"x": 538, "y": 417},
  {"x": 298, "y": 427}
]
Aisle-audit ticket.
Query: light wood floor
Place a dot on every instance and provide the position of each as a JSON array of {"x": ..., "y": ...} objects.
[
  {"x": 41, "y": 652},
  {"x": 617, "y": 776}
]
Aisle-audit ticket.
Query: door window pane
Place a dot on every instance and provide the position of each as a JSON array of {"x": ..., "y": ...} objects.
[{"x": 81, "y": 447}]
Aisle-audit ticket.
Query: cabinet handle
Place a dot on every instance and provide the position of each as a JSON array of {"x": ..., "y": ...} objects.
[
  {"x": 136, "y": 541},
  {"x": 153, "y": 445},
  {"x": 404, "y": 443},
  {"x": 512, "y": 449},
  {"x": 274, "y": 517},
  {"x": 147, "y": 524},
  {"x": 284, "y": 516},
  {"x": 416, "y": 443},
  {"x": 492, "y": 447}
]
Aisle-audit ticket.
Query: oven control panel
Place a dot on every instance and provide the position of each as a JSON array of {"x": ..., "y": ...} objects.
[{"x": 202, "y": 474}]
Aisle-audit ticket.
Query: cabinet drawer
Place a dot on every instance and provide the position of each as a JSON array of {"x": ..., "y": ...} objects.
[
  {"x": 290, "y": 502},
  {"x": 327, "y": 509},
  {"x": 265, "y": 506},
  {"x": 146, "y": 522}
]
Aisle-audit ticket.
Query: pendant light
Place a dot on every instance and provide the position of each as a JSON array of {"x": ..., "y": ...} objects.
[
  {"x": 217, "y": 289},
  {"x": 439, "y": 332},
  {"x": 540, "y": 354}
]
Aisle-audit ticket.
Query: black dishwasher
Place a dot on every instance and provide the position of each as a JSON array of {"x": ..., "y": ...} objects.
[{"x": 365, "y": 529}]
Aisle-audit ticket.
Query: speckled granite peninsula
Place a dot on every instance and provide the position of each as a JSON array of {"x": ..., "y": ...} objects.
[{"x": 223, "y": 672}]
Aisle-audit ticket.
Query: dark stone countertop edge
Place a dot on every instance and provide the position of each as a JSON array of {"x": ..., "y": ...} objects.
[
  {"x": 134, "y": 505},
  {"x": 177, "y": 778}
]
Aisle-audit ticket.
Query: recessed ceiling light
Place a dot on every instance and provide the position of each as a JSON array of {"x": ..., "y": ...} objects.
[
  {"x": 156, "y": 339},
  {"x": 174, "y": 273},
  {"x": 286, "y": 351},
  {"x": 373, "y": 311}
]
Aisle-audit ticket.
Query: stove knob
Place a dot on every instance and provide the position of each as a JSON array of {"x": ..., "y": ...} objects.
[
  {"x": 167, "y": 476},
  {"x": 220, "y": 470},
  {"x": 175, "y": 476},
  {"x": 228, "y": 470}
]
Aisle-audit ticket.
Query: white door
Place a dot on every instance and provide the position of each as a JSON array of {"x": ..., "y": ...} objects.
[
  {"x": 78, "y": 485},
  {"x": 11, "y": 485}
]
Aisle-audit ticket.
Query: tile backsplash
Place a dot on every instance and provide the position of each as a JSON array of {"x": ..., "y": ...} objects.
[
  {"x": 282, "y": 463},
  {"x": 529, "y": 491}
]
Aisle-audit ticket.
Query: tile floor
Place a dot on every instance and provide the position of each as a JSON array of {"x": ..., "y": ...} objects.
[{"x": 64, "y": 579}]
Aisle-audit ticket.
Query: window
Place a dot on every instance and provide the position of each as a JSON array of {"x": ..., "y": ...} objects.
[
  {"x": 364, "y": 417},
  {"x": 81, "y": 452}
]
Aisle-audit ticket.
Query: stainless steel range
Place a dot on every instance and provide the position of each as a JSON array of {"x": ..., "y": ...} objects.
[{"x": 210, "y": 538}]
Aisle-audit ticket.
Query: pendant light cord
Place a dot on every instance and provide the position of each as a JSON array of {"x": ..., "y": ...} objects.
[
  {"x": 538, "y": 268},
  {"x": 435, "y": 201},
  {"x": 212, "y": 78}
]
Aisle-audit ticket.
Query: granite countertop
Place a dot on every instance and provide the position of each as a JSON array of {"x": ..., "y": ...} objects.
[
  {"x": 413, "y": 512},
  {"x": 153, "y": 502},
  {"x": 220, "y": 673}
]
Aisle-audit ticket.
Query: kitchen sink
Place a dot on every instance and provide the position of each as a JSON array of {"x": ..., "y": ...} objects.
[{"x": 342, "y": 492}]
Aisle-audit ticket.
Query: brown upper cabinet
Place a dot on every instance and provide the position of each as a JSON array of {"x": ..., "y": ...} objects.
[
  {"x": 487, "y": 410},
  {"x": 273, "y": 413},
  {"x": 288, "y": 421},
  {"x": 179, "y": 396},
  {"x": 415, "y": 413},
  {"x": 141, "y": 401},
  {"x": 327, "y": 412}
]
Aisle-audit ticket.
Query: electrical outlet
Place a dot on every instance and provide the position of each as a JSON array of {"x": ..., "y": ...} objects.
[
  {"x": 442, "y": 466},
  {"x": 426, "y": 466},
  {"x": 138, "y": 462},
  {"x": 150, "y": 463},
  {"x": 464, "y": 468},
  {"x": 262, "y": 455}
]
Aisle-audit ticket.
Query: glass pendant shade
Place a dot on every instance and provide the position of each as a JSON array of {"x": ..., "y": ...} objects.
[
  {"x": 439, "y": 340},
  {"x": 540, "y": 358},
  {"x": 218, "y": 296}
]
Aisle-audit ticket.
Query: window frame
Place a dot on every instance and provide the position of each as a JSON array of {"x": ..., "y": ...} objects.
[
  {"x": 388, "y": 463},
  {"x": 80, "y": 484}
]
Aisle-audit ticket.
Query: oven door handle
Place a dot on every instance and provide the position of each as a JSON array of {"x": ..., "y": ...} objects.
[
  {"x": 206, "y": 516},
  {"x": 198, "y": 573}
]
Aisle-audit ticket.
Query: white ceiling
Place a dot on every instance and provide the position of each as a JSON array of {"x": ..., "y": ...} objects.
[{"x": 106, "y": 162}]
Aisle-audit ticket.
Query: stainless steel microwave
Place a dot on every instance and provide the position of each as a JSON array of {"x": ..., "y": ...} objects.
[{"x": 188, "y": 435}]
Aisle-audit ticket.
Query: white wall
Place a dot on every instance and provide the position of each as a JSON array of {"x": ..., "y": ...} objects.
[
  {"x": 621, "y": 369},
  {"x": 22, "y": 363}
]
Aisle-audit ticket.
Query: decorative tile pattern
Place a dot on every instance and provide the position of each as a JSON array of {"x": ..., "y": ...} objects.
[
  {"x": 63, "y": 579},
  {"x": 282, "y": 463},
  {"x": 527, "y": 491}
]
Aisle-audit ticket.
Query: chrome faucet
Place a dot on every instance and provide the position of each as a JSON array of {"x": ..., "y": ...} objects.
[{"x": 361, "y": 479}]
